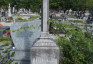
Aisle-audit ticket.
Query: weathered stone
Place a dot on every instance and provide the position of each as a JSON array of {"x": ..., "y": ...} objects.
[
  {"x": 45, "y": 50},
  {"x": 24, "y": 39},
  {"x": 9, "y": 11}
]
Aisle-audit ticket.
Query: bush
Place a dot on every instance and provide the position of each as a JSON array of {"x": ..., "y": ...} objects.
[
  {"x": 76, "y": 21},
  {"x": 59, "y": 28},
  {"x": 19, "y": 18},
  {"x": 5, "y": 52},
  {"x": 76, "y": 48},
  {"x": 4, "y": 39},
  {"x": 11, "y": 18},
  {"x": 34, "y": 17}
]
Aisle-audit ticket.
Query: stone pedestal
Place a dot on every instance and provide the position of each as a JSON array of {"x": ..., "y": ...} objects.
[{"x": 45, "y": 51}]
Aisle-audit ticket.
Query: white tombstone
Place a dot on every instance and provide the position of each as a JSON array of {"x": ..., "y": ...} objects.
[
  {"x": 29, "y": 10},
  {"x": 13, "y": 10},
  {"x": 24, "y": 10},
  {"x": 9, "y": 11},
  {"x": 70, "y": 12}
]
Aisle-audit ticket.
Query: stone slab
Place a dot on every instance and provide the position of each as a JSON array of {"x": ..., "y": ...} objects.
[{"x": 24, "y": 39}]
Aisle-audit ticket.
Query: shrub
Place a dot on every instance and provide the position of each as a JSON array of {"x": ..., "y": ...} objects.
[
  {"x": 11, "y": 18},
  {"x": 19, "y": 18},
  {"x": 76, "y": 21},
  {"x": 76, "y": 49}
]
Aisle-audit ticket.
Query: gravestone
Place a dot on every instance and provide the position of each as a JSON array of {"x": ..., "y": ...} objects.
[
  {"x": 13, "y": 10},
  {"x": 24, "y": 39},
  {"x": 3, "y": 19},
  {"x": 2, "y": 13},
  {"x": 70, "y": 12},
  {"x": 90, "y": 18},
  {"x": 3, "y": 30},
  {"x": 24, "y": 10},
  {"x": 45, "y": 50},
  {"x": 9, "y": 11}
]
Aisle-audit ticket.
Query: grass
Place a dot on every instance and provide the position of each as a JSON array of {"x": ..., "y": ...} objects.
[
  {"x": 77, "y": 21},
  {"x": 34, "y": 17},
  {"x": 19, "y": 19},
  {"x": 5, "y": 41}
]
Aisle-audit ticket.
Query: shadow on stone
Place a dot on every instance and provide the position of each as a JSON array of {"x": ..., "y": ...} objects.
[{"x": 25, "y": 34}]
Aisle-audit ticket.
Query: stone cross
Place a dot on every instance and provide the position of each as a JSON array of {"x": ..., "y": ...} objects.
[
  {"x": 9, "y": 11},
  {"x": 45, "y": 50}
]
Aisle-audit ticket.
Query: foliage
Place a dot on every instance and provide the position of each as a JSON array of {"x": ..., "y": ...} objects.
[
  {"x": 76, "y": 47},
  {"x": 76, "y": 21},
  {"x": 5, "y": 53},
  {"x": 11, "y": 18},
  {"x": 34, "y": 17},
  {"x": 4, "y": 39},
  {"x": 57, "y": 27},
  {"x": 35, "y": 5},
  {"x": 19, "y": 18}
]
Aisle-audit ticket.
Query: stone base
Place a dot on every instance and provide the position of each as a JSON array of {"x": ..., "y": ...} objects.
[
  {"x": 21, "y": 62},
  {"x": 45, "y": 51},
  {"x": 22, "y": 57},
  {"x": 45, "y": 55}
]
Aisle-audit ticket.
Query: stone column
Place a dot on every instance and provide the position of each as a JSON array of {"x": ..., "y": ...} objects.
[
  {"x": 48, "y": 8},
  {"x": 45, "y": 50},
  {"x": 45, "y": 17}
]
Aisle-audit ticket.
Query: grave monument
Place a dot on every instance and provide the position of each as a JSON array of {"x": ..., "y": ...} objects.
[
  {"x": 9, "y": 11},
  {"x": 13, "y": 10},
  {"x": 45, "y": 50},
  {"x": 3, "y": 18},
  {"x": 24, "y": 39}
]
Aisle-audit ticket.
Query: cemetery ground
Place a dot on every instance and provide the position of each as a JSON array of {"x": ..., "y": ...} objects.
[
  {"x": 18, "y": 32},
  {"x": 30, "y": 33},
  {"x": 72, "y": 36}
]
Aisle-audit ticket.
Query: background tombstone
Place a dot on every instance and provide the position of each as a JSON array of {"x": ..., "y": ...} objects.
[
  {"x": 24, "y": 10},
  {"x": 23, "y": 40},
  {"x": 70, "y": 12},
  {"x": 3, "y": 30},
  {"x": 2, "y": 13},
  {"x": 9, "y": 11},
  {"x": 29, "y": 10},
  {"x": 13, "y": 10},
  {"x": 3, "y": 19},
  {"x": 44, "y": 50}
]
